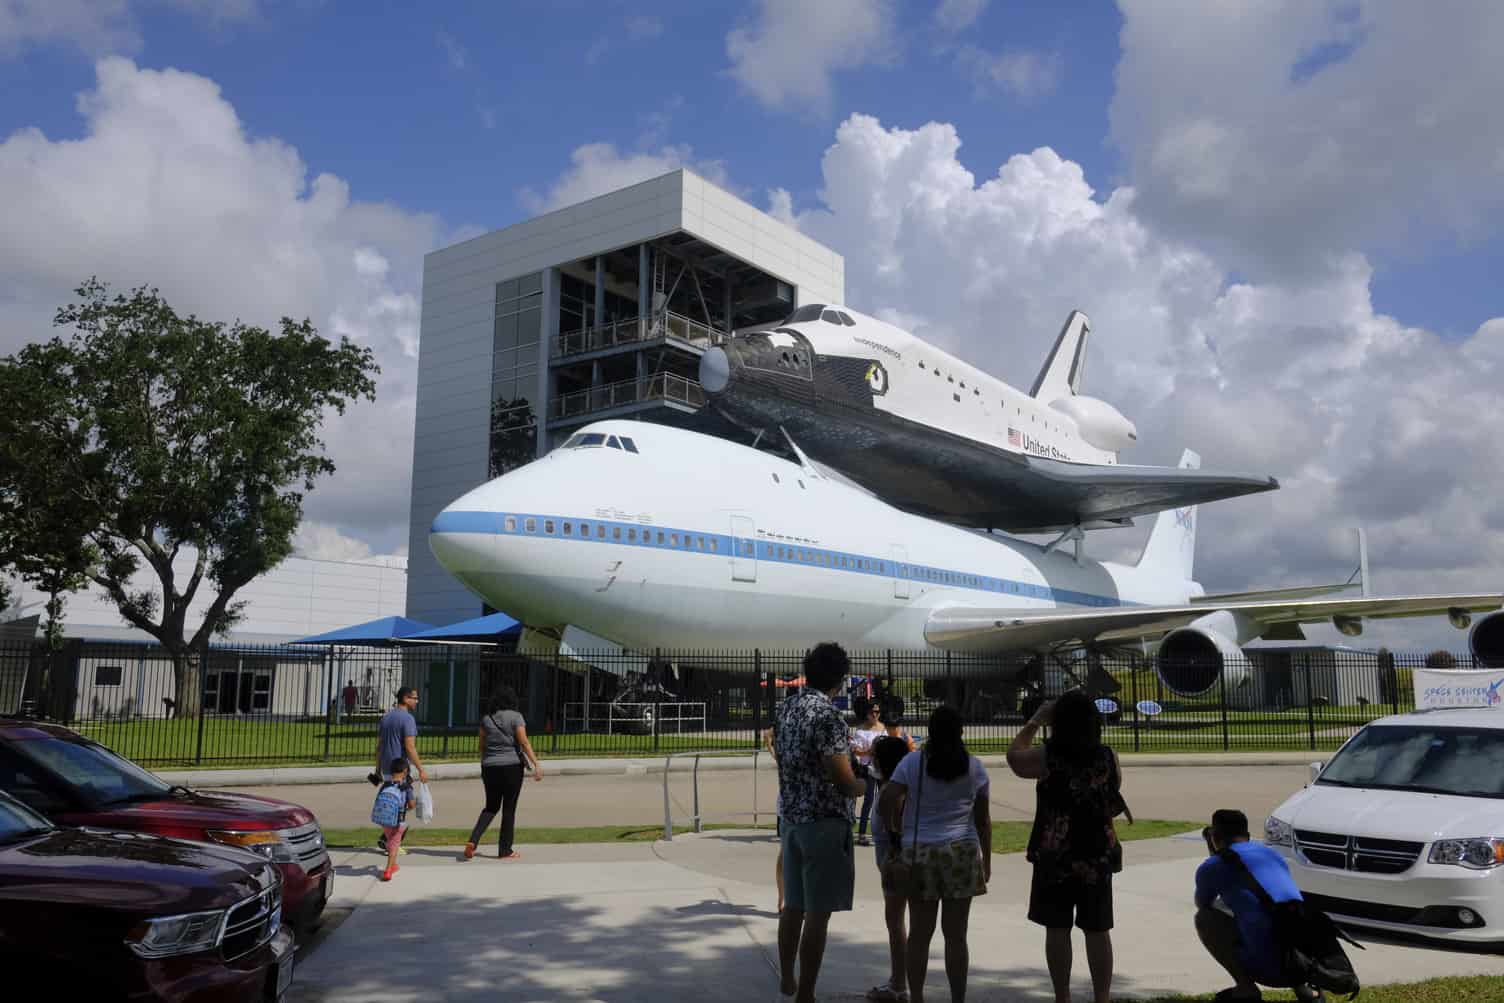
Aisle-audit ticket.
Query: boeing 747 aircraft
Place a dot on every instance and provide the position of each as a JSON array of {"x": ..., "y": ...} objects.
[
  {"x": 650, "y": 537},
  {"x": 935, "y": 436}
]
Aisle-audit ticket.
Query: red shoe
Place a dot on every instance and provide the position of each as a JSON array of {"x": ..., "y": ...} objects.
[
  {"x": 469, "y": 850},
  {"x": 386, "y": 875}
]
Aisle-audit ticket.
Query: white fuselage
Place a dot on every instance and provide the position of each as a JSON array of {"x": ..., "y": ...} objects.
[
  {"x": 696, "y": 542},
  {"x": 934, "y": 388}
]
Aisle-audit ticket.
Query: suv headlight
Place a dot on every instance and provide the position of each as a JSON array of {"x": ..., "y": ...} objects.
[
  {"x": 266, "y": 842},
  {"x": 167, "y": 936},
  {"x": 1477, "y": 854},
  {"x": 1278, "y": 832}
]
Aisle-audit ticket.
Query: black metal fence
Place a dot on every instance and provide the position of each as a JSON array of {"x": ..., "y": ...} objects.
[{"x": 241, "y": 705}]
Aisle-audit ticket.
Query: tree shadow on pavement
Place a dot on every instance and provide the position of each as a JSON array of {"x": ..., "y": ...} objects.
[{"x": 619, "y": 946}]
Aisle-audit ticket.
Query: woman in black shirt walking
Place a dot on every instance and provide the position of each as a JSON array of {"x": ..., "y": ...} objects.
[{"x": 504, "y": 749}]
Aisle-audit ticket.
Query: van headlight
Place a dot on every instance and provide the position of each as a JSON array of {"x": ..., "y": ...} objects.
[
  {"x": 1477, "y": 854},
  {"x": 266, "y": 842},
  {"x": 1278, "y": 832},
  {"x": 167, "y": 936}
]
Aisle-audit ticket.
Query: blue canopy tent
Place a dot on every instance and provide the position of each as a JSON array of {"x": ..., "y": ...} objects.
[
  {"x": 368, "y": 692},
  {"x": 372, "y": 634},
  {"x": 497, "y": 628}
]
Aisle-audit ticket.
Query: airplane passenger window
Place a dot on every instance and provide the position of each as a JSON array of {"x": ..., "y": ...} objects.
[
  {"x": 531, "y": 526},
  {"x": 673, "y": 539},
  {"x": 616, "y": 532},
  {"x": 628, "y": 444},
  {"x": 846, "y": 318},
  {"x": 699, "y": 543},
  {"x": 660, "y": 538},
  {"x": 569, "y": 529},
  {"x": 631, "y": 535},
  {"x": 511, "y": 524},
  {"x": 548, "y": 525},
  {"x": 613, "y": 443},
  {"x": 585, "y": 530},
  {"x": 600, "y": 531},
  {"x": 712, "y": 543}
]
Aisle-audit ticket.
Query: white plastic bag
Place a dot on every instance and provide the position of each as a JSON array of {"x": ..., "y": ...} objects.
[{"x": 423, "y": 795}]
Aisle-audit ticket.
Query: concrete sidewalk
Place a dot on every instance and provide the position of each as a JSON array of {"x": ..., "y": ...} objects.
[
  {"x": 292, "y": 776},
  {"x": 693, "y": 920}
]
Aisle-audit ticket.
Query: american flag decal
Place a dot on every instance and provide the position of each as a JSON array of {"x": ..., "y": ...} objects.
[{"x": 1014, "y": 439}]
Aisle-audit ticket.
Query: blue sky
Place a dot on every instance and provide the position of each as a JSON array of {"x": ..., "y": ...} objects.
[{"x": 1289, "y": 246}]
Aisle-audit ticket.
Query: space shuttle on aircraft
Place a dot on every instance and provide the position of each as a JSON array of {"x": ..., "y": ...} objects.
[{"x": 935, "y": 436}]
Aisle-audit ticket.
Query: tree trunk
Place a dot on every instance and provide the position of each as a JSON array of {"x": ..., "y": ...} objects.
[{"x": 188, "y": 683}]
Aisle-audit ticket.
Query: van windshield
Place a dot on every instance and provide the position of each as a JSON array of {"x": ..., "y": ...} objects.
[{"x": 1426, "y": 758}]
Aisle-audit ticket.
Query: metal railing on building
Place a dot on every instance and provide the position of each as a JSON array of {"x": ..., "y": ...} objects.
[
  {"x": 633, "y": 330},
  {"x": 659, "y": 386}
]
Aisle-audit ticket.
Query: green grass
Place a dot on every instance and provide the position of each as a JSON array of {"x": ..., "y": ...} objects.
[
  {"x": 1454, "y": 989},
  {"x": 1007, "y": 837}
]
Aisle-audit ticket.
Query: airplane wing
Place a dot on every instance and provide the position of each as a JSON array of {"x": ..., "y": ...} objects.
[{"x": 978, "y": 630}]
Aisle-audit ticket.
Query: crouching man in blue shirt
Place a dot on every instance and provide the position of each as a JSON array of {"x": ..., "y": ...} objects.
[{"x": 1241, "y": 938}]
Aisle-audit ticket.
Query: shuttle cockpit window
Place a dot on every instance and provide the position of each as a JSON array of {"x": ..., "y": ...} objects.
[
  {"x": 831, "y": 317},
  {"x": 805, "y": 314},
  {"x": 782, "y": 350},
  {"x": 845, "y": 318}
]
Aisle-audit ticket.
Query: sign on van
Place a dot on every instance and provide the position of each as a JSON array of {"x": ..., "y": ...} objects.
[{"x": 1459, "y": 688}]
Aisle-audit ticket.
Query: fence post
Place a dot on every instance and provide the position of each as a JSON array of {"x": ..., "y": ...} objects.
[
  {"x": 1222, "y": 687},
  {"x": 449, "y": 701},
  {"x": 1133, "y": 689},
  {"x": 203, "y": 685},
  {"x": 555, "y": 723},
  {"x": 329, "y": 698},
  {"x": 756, "y": 717},
  {"x": 657, "y": 698},
  {"x": 1310, "y": 703}
]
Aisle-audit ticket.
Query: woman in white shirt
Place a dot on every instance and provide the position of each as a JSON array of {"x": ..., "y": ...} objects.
[
  {"x": 868, "y": 730},
  {"x": 936, "y": 802}
]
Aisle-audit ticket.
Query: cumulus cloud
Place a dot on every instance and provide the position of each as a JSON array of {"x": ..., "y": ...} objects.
[
  {"x": 597, "y": 168},
  {"x": 1022, "y": 73},
  {"x": 165, "y": 187},
  {"x": 96, "y": 26},
  {"x": 785, "y": 57},
  {"x": 958, "y": 15},
  {"x": 1283, "y": 133},
  {"x": 1363, "y": 419}
]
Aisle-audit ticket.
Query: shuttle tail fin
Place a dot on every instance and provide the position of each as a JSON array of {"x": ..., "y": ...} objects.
[
  {"x": 1061, "y": 374},
  {"x": 1171, "y": 550}
]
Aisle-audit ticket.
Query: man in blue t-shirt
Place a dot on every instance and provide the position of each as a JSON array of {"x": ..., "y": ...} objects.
[{"x": 1242, "y": 938}]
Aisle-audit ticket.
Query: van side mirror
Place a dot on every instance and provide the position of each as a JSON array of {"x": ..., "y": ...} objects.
[{"x": 1316, "y": 771}]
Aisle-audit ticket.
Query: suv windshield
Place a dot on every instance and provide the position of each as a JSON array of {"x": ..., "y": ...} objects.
[
  {"x": 96, "y": 775},
  {"x": 18, "y": 821},
  {"x": 1427, "y": 758}
]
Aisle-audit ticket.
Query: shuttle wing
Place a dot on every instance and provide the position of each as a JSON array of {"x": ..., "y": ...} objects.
[
  {"x": 973, "y": 629},
  {"x": 1112, "y": 493}
]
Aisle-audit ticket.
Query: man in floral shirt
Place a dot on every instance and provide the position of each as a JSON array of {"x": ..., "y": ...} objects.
[{"x": 815, "y": 788}]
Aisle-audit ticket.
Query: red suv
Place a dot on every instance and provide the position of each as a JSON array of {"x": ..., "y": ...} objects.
[{"x": 77, "y": 782}]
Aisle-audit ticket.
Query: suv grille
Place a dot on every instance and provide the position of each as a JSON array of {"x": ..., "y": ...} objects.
[
  {"x": 252, "y": 922},
  {"x": 1357, "y": 853},
  {"x": 307, "y": 845}
]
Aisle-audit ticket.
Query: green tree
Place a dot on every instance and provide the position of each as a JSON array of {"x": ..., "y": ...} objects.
[{"x": 146, "y": 435}]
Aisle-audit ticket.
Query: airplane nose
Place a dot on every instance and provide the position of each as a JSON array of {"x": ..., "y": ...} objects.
[
  {"x": 715, "y": 370},
  {"x": 463, "y": 539}
]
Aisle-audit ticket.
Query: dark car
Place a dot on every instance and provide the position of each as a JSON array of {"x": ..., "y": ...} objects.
[
  {"x": 77, "y": 782},
  {"x": 96, "y": 915}
]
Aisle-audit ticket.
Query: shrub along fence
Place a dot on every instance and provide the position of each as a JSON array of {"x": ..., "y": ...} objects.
[{"x": 289, "y": 704}]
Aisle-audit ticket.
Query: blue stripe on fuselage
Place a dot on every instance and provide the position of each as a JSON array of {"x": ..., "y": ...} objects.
[{"x": 632, "y": 534}]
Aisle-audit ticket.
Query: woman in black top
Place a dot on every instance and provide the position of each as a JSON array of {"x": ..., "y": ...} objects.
[
  {"x": 504, "y": 749},
  {"x": 1073, "y": 846}
]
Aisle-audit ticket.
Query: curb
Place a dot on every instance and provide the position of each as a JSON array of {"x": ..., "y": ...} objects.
[{"x": 294, "y": 776}]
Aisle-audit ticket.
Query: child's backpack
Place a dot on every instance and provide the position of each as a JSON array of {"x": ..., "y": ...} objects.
[{"x": 389, "y": 805}]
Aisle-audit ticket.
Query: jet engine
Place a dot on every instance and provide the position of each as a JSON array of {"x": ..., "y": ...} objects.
[
  {"x": 1191, "y": 660},
  {"x": 1487, "y": 640},
  {"x": 1099, "y": 423}
]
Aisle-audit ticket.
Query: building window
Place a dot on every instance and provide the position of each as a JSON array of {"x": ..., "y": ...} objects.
[{"x": 108, "y": 675}]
